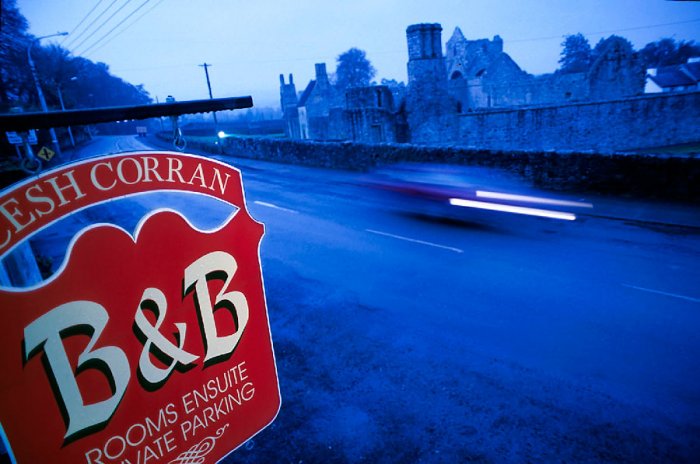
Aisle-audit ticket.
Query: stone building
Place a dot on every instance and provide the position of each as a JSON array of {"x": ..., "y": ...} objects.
[
  {"x": 372, "y": 116},
  {"x": 482, "y": 75},
  {"x": 675, "y": 78},
  {"x": 472, "y": 76},
  {"x": 290, "y": 111},
  {"x": 479, "y": 73},
  {"x": 321, "y": 112},
  {"x": 315, "y": 106},
  {"x": 429, "y": 108}
]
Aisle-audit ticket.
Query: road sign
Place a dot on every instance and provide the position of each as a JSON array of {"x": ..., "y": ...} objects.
[
  {"x": 46, "y": 153},
  {"x": 14, "y": 138},
  {"x": 139, "y": 349},
  {"x": 31, "y": 137}
]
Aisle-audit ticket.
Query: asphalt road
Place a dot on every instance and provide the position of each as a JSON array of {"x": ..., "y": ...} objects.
[{"x": 403, "y": 339}]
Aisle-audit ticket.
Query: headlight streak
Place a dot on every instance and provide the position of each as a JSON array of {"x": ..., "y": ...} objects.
[
  {"x": 530, "y": 199},
  {"x": 513, "y": 209}
]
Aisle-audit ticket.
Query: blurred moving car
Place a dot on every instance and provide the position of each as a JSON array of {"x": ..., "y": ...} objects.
[{"x": 468, "y": 193}]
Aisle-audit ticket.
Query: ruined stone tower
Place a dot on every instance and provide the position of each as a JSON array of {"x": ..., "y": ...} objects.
[
  {"x": 430, "y": 115},
  {"x": 617, "y": 72},
  {"x": 322, "y": 81},
  {"x": 289, "y": 102}
]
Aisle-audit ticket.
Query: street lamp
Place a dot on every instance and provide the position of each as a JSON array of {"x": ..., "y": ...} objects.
[{"x": 42, "y": 100}]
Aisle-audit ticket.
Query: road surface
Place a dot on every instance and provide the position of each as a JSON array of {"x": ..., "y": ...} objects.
[{"x": 401, "y": 339}]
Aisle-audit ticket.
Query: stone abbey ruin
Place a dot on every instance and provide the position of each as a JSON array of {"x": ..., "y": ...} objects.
[{"x": 475, "y": 95}]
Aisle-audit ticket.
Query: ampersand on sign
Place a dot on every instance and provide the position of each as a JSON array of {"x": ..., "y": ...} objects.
[{"x": 154, "y": 300}]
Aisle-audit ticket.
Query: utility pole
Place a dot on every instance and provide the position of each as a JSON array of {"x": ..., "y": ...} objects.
[
  {"x": 63, "y": 108},
  {"x": 159, "y": 118},
  {"x": 211, "y": 97}
]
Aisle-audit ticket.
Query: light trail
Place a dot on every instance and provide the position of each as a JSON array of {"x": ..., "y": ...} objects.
[
  {"x": 512, "y": 209},
  {"x": 531, "y": 199}
]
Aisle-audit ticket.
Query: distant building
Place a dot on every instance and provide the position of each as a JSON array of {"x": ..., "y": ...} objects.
[
  {"x": 429, "y": 108},
  {"x": 320, "y": 109},
  {"x": 289, "y": 104},
  {"x": 372, "y": 116},
  {"x": 303, "y": 118},
  {"x": 677, "y": 78},
  {"x": 482, "y": 75},
  {"x": 472, "y": 75}
]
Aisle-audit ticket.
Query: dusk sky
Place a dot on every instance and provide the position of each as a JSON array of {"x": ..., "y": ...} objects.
[{"x": 250, "y": 43}]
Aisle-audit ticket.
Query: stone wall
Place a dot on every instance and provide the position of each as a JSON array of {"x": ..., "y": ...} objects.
[
  {"x": 372, "y": 125},
  {"x": 634, "y": 123},
  {"x": 557, "y": 88},
  {"x": 656, "y": 176}
]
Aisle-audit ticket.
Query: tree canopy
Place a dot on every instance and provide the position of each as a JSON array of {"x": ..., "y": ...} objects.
[
  {"x": 353, "y": 69},
  {"x": 14, "y": 41},
  {"x": 83, "y": 83},
  {"x": 668, "y": 51},
  {"x": 576, "y": 54}
]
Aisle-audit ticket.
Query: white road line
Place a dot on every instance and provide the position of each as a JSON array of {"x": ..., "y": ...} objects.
[
  {"x": 412, "y": 240},
  {"x": 674, "y": 295},
  {"x": 270, "y": 205}
]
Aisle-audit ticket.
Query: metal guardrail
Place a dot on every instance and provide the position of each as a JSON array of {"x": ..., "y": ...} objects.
[{"x": 28, "y": 121}]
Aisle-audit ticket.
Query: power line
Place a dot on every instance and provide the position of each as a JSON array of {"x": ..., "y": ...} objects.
[
  {"x": 397, "y": 51},
  {"x": 153, "y": 7},
  {"x": 82, "y": 21},
  {"x": 118, "y": 24},
  {"x": 74, "y": 39},
  {"x": 102, "y": 25},
  {"x": 636, "y": 28},
  {"x": 552, "y": 37}
]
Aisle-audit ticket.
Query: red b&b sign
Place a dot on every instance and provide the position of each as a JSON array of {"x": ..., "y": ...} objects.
[{"x": 146, "y": 346}]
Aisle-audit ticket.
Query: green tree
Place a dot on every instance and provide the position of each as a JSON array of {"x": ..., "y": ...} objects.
[
  {"x": 353, "y": 69},
  {"x": 14, "y": 70},
  {"x": 576, "y": 54},
  {"x": 667, "y": 52},
  {"x": 96, "y": 87},
  {"x": 83, "y": 83},
  {"x": 599, "y": 48}
]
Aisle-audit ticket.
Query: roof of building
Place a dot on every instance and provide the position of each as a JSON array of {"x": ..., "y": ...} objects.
[
  {"x": 307, "y": 92},
  {"x": 457, "y": 35},
  {"x": 680, "y": 75},
  {"x": 477, "y": 58},
  {"x": 693, "y": 68}
]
